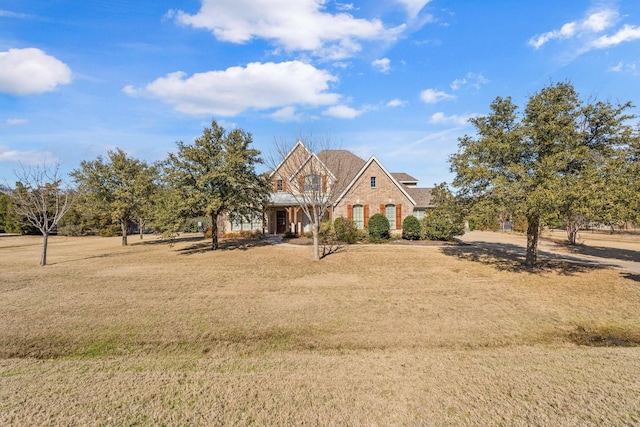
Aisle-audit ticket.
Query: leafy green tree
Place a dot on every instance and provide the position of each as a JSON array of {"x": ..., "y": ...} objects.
[
  {"x": 8, "y": 222},
  {"x": 544, "y": 165},
  {"x": 116, "y": 188},
  {"x": 216, "y": 176},
  {"x": 41, "y": 199},
  {"x": 446, "y": 220}
]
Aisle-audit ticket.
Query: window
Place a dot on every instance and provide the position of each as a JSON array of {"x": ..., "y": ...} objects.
[
  {"x": 373, "y": 182},
  {"x": 238, "y": 223},
  {"x": 312, "y": 183},
  {"x": 419, "y": 213},
  {"x": 358, "y": 216},
  {"x": 279, "y": 185},
  {"x": 390, "y": 213}
]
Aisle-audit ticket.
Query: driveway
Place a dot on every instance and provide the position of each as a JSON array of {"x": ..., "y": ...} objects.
[{"x": 609, "y": 253}]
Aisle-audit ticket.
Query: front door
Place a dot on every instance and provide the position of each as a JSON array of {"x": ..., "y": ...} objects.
[{"x": 281, "y": 222}]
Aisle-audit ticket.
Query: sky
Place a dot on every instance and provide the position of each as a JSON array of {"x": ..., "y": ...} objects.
[{"x": 397, "y": 79}]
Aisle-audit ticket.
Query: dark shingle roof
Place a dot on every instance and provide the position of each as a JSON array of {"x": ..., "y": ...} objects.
[
  {"x": 422, "y": 196},
  {"x": 404, "y": 178},
  {"x": 343, "y": 164}
]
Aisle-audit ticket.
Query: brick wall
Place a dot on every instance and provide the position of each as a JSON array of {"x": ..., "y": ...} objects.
[{"x": 386, "y": 192}]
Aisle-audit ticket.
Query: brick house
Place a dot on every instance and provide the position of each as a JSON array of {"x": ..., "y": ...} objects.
[{"x": 355, "y": 189}]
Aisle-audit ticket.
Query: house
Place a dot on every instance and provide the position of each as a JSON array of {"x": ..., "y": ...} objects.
[{"x": 347, "y": 185}]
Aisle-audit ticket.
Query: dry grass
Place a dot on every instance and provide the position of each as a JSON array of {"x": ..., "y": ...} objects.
[{"x": 372, "y": 335}]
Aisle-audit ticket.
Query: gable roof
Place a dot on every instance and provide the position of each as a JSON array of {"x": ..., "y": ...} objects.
[
  {"x": 309, "y": 159},
  {"x": 404, "y": 178},
  {"x": 373, "y": 159},
  {"x": 297, "y": 144},
  {"x": 344, "y": 165},
  {"x": 422, "y": 196}
]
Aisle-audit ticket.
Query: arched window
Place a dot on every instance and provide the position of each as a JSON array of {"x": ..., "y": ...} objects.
[
  {"x": 358, "y": 216},
  {"x": 390, "y": 213}
]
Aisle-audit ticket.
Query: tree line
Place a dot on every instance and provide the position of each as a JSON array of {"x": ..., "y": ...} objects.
[
  {"x": 212, "y": 177},
  {"x": 562, "y": 161}
]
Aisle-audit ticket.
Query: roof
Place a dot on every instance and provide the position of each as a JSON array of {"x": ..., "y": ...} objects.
[
  {"x": 404, "y": 178},
  {"x": 422, "y": 196},
  {"x": 343, "y": 164},
  {"x": 282, "y": 199},
  {"x": 401, "y": 187}
]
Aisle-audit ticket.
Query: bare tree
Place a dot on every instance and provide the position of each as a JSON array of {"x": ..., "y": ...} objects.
[
  {"x": 41, "y": 200},
  {"x": 312, "y": 174}
]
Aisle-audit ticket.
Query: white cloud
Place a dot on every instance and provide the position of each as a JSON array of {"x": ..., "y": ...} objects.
[
  {"x": 345, "y": 6},
  {"x": 299, "y": 25},
  {"x": 621, "y": 67},
  {"x": 595, "y": 22},
  {"x": 342, "y": 112},
  {"x": 236, "y": 89},
  {"x": 396, "y": 103},
  {"x": 413, "y": 7},
  {"x": 287, "y": 114},
  {"x": 27, "y": 158},
  {"x": 625, "y": 34},
  {"x": 10, "y": 14},
  {"x": 16, "y": 122},
  {"x": 441, "y": 118},
  {"x": 383, "y": 65},
  {"x": 473, "y": 80},
  {"x": 30, "y": 71},
  {"x": 432, "y": 96}
]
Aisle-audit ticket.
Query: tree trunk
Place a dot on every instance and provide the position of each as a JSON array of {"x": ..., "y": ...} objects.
[
  {"x": 123, "y": 226},
  {"x": 214, "y": 232},
  {"x": 141, "y": 228},
  {"x": 572, "y": 232},
  {"x": 533, "y": 232},
  {"x": 45, "y": 242},
  {"x": 316, "y": 242}
]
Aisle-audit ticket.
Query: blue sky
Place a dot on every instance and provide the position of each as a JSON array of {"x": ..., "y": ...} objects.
[{"x": 392, "y": 78}]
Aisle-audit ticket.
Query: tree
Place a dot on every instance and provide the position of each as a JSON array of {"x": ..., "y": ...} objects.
[
  {"x": 8, "y": 223},
  {"x": 544, "y": 165},
  {"x": 42, "y": 200},
  {"x": 119, "y": 185},
  {"x": 446, "y": 220},
  {"x": 216, "y": 176},
  {"x": 313, "y": 176}
]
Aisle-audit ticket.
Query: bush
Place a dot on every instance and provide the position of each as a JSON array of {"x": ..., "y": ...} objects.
[
  {"x": 411, "y": 229},
  {"x": 326, "y": 234},
  {"x": 378, "y": 227},
  {"x": 345, "y": 230},
  {"x": 437, "y": 225}
]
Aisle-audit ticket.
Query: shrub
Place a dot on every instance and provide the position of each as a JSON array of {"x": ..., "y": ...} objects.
[
  {"x": 326, "y": 234},
  {"x": 345, "y": 230},
  {"x": 378, "y": 227},
  {"x": 411, "y": 229},
  {"x": 437, "y": 225},
  {"x": 289, "y": 234}
]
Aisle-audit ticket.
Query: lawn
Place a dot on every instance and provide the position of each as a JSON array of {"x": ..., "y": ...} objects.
[{"x": 256, "y": 334}]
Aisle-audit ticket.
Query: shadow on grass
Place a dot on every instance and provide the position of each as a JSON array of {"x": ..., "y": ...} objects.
[
  {"x": 607, "y": 253},
  {"x": 167, "y": 241},
  {"x": 630, "y": 276},
  {"x": 509, "y": 257},
  {"x": 225, "y": 245}
]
